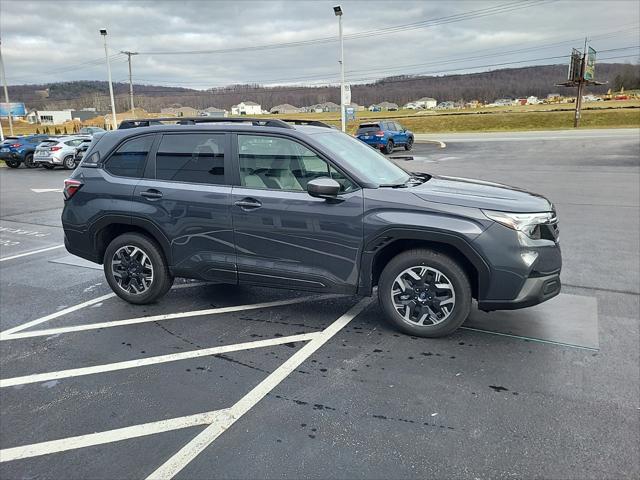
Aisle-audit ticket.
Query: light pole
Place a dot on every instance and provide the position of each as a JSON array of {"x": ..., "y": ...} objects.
[
  {"x": 128, "y": 54},
  {"x": 6, "y": 94},
  {"x": 114, "y": 122},
  {"x": 337, "y": 10}
]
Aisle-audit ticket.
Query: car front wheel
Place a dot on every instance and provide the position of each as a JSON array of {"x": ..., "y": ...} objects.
[
  {"x": 136, "y": 269},
  {"x": 409, "y": 145},
  {"x": 425, "y": 293}
]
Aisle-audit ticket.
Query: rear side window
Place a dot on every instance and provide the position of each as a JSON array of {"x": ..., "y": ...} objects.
[
  {"x": 129, "y": 159},
  {"x": 192, "y": 158}
]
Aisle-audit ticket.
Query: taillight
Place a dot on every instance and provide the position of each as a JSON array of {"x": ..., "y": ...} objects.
[
  {"x": 16, "y": 145},
  {"x": 379, "y": 133},
  {"x": 71, "y": 186},
  {"x": 54, "y": 149}
]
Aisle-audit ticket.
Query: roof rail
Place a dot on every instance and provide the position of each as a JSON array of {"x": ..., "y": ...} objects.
[
  {"x": 132, "y": 123},
  {"x": 313, "y": 123}
]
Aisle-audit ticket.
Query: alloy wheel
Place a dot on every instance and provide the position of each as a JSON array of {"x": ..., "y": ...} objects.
[
  {"x": 132, "y": 269},
  {"x": 423, "y": 296}
]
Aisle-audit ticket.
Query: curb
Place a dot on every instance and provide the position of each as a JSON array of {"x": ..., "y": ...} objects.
[{"x": 442, "y": 144}]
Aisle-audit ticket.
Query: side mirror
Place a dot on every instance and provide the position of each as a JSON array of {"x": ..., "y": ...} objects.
[{"x": 323, "y": 188}]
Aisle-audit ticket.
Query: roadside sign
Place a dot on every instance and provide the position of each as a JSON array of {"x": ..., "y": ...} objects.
[
  {"x": 575, "y": 65},
  {"x": 17, "y": 109},
  {"x": 351, "y": 113},
  {"x": 346, "y": 94},
  {"x": 589, "y": 70}
]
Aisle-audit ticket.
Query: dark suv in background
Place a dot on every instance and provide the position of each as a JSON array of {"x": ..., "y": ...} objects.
[
  {"x": 250, "y": 202},
  {"x": 385, "y": 135}
]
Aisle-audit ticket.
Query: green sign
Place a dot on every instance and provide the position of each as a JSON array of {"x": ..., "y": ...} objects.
[{"x": 589, "y": 69}]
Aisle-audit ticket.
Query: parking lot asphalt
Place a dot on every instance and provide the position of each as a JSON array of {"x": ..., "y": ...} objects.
[{"x": 243, "y": 382}]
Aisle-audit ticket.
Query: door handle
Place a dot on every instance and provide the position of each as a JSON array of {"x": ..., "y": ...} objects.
[
  {"x": 248, "y": 203},
  {"x": 152, "y": 194}
]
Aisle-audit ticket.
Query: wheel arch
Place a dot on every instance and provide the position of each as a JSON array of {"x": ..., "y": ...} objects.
[
  {"x": 109, "y": 228},
  {"x": 384, "y": 247}
]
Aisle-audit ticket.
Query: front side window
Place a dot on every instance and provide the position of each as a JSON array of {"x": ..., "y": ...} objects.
[
  {"x": 130, "y": 158},
  {"x": 367, "y": 162},
  {"x": 281, "y": 164},
  {"x": 192, "y": 158}
]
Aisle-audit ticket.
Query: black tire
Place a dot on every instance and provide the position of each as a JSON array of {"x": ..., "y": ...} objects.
[
  {"x": 388, "y": 147},
  {"x": 69, "y": 162},
  {"x": 409, "y": 145},
  {"x": 162, "y": 279},
  {"x": 449, "y": 268},
  {"x": 28, "y": 161},
  {"x": 12, "y": 163},
  {"x": 48, "y": 166}
]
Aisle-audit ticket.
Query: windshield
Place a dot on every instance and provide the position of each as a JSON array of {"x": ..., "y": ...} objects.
[{"x": 367, "y": 162}]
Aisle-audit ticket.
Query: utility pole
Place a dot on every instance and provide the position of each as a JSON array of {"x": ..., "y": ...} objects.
[
  {"x": 128, "y": 54},
  {"x": 114, "y": 122},
  {"x": 337, "y": 10},
  {"x": 6, "y": 93}
]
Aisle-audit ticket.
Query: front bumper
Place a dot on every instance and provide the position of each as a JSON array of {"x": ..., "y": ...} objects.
[{"x": 535, "y": 290}]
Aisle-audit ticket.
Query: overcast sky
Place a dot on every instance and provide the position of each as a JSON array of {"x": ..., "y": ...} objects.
[{"x": 58, "y": 40}]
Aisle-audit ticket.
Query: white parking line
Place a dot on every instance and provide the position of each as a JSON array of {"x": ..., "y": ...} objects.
[
  {"x": 7, "y": 335},
  {"x": 141, "y": 362},
  {"x": 110, "y": 436},
  {"x": 192, "y": 449},
  {"x": 218, "y": 421},
  {"x": 4, "y": 259}
]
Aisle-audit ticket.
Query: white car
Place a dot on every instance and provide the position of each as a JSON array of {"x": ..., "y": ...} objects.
[{"x": 58, "y": 151}]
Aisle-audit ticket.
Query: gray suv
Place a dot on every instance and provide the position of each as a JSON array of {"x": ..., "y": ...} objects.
[{"x": 305, "y": 207}]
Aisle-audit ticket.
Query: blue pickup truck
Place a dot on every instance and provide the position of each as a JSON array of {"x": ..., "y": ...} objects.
[
  {"x": 385, "y": 135},
  {"x": 17, "y": 150}
]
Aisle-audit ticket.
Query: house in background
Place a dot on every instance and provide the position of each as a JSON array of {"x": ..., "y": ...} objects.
[
  {"x": 424, "y": 103},
  {"x": 49, "y": 117},
  {"x": 323, "y": 107},
  {"x": 86, "y": 114},
  {"x": 533, "y": 100},
  {"x": 285, "y": 108},
  {"x": 246, "y": 108},
  {"x": 355, "y": 106},
  {"x": 213, "y": 112},
  {"x": 383, "y": 106},
  {"x": 180, "y": 111}
]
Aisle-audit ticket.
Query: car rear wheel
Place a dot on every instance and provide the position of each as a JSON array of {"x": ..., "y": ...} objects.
[
  {"x": 69, "y": 162},
  {"x": 28, "y": 161},
  {"x": 425, "y": 293},
  {"x": 389, "y": 148},
  {"x": 136, "y": 269},
  {"x": 409, "y": 145},
  {"x": 12, "y": 163}
]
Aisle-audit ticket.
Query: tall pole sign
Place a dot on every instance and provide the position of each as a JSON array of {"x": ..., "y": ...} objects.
[{"x": 581, "y": 73}]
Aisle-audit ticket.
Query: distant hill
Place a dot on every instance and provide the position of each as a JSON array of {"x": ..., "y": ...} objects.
[{"x": 485, "y": 86}]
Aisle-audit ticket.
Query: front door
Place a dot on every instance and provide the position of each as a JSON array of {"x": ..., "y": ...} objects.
[
  {"x": 188, "y": 197},
  {"x": 283, "y": 236}
]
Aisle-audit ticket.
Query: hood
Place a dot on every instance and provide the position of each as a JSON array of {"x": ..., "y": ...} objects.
[{"x": 480, "y": 194}]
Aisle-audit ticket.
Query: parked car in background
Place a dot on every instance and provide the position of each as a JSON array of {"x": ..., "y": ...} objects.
[
  {"x": 91, "y": 131},
  {"x": 20, "y": 149},
  {"x": 58, "y": 151},
  {"x": 385, "y": 135},
  {"x": 81, "y": 149}
]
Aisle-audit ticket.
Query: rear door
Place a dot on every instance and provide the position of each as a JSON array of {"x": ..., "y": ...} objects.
[
  {"x": 186, "y": 193},
  {"x": 401, "y": 134},
  {"x": 283, "y": 236}
]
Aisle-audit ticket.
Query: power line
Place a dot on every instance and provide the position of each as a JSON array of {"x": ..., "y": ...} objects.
[{"x": 369, "y": 33}]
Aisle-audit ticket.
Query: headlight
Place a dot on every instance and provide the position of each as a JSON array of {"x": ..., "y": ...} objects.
[{"x": 527, "y": 223}]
